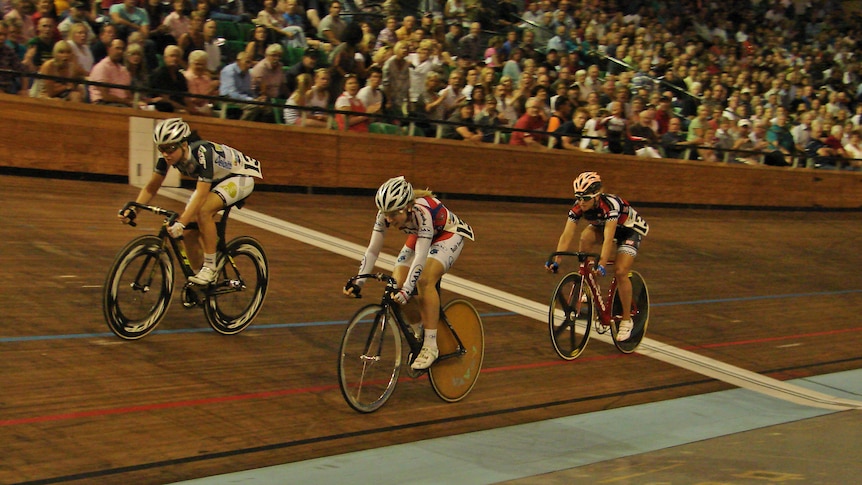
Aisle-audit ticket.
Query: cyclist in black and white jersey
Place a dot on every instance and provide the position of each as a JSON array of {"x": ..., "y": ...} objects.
[
  {"x": 614, "y": 225},
  {"x": 224, "y": 177}
]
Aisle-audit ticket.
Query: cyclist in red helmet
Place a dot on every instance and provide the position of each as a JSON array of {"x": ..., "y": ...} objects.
[{"x": 615, "y": 226}]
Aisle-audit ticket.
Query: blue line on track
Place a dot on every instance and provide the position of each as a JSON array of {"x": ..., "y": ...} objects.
[{"x": 33, "y": 338}]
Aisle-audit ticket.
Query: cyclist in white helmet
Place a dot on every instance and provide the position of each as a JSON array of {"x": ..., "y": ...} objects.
[
  {"x": 224, "y": 177},
  {"x": 615, "y": 226},
  {"x": 435, "y": 240}
]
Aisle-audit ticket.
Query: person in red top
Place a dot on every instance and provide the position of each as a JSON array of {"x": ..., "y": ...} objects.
[
  {"x": 531, "y": 120},
  {"x": 349, "y": 102},
  {"x": 435, "y": 238},
  {"x": 615, "y": 226}
]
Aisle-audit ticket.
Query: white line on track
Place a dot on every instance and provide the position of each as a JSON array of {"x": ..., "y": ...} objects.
[{"x": 706, "y": 366}]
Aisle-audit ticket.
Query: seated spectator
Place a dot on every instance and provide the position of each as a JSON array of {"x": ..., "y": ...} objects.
[
  {"x": 168, "y": 77},
  {"x": 267, "y": 77},
  {"x": 299, "y": 98},
  {"x": 99, "y": 47},
  {"x": 21, "y": 15},
  {"x": 306, "y": 65},
  {"x": 643, "y": 139},
  {"x": 64, "y": 65},
  {"x": 176, "y": 24},
  {"x": 128, "y": 18},
  {"x": 111, "y": 70},
  {"x": 490, "y": 120},
  {"x": 318, "y": 96},
  {"x": 79, "y": 43},
  {"x": 744, "y": 145},
  {"x": 781, "y": 144},
  {"x": 235, "y": 83},
  {"x": 853, "y": 150},
  {"x": 77, "y": 16},
  {"x": 348, "y": 101},
  {"x": 467, "y": 129},
  {"x": 10, "y": 83},
  {"x": 616, "y": 126},
  {"x": 256, "y": 47},
  {"x": 332, "y": 26},
  {"x": 707, "y": 152},
  {"x": 200, "y": 81},
  {"x": 533, "y": 121},
  {"x": 139, "y": 73},
  {"x": 371, "y": 95},
  {"x": 570, "y": 133},
  {"x": 674, "y": 142},
  {"x": 387, "y": 35},
  {"x": 819, "y": 154}
]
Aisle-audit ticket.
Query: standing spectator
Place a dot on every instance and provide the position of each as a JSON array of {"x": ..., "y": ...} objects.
[
  {"x": 421, "y": 63},
  {"x": 644, "y": 140},
  {"x": 781, "y": 145},
  {"x": 200, "y": 81},
  {"x": 348, "y": 101},
  {"x": 176, "y": 24},
  {"x": 112, "y": 71},
  {"x": 697, "y": 129},
  {"x": 396, "y": 81},
  {"x": 408, "y": 25},
  {"x": 345, "y": 60},
  {"x": 332, "y": 26},
  {"x": 62, "y": 64},
  {"x": 616, "y": 126},
  {"x": 99, "y": 47},
  {"x": 168, "y": 77},
  {"x": 429, "y": 105},
  {"x": 22, "y": 11},
  {"x": 470, "y": 46},
  {"x": 41, "y": 47},
  {"x": 267, "y": 76},
  {"x": 490, "y": 119},
  {"x": 451, "y": 94},
  {"x": 235, "y": 83},
  {"x": 387, "y": 34},
  {"x": 532, "y": 121}
]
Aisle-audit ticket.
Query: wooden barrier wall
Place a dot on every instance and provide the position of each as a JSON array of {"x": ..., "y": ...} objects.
[{"x": 52, "y": 135}]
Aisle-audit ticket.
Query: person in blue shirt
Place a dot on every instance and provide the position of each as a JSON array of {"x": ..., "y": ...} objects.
[{"x": 236, "y": 84}]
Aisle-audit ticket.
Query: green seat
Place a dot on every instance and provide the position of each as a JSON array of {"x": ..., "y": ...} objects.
[
  {"x": 292, "y": 56},
  {"x": 234, "y": 47},
  {"x": 384, "y": 129},
  {"x": 278, "y": 110},
  {"x": 228, "y": 30},
  {"x": 244, "y": 30}
]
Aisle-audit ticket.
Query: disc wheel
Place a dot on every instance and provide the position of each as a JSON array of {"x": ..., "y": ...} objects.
[{"x": 454, "y": 377}]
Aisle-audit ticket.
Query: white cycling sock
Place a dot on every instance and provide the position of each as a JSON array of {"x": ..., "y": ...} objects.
[
  {"x": 430, "y": 338},
  {"x": 210, "y": 260}
]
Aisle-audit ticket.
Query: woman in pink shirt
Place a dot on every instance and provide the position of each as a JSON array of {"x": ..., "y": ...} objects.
[{"x": 200, "y": 81}]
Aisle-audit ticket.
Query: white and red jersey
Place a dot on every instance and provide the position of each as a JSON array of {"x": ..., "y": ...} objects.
[
  {"x": 609, "y": 207},
  {"x": 428, "y": 222}
]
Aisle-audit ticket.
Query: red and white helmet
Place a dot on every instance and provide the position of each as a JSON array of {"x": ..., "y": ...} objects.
[{"x": 587, "y": 183}]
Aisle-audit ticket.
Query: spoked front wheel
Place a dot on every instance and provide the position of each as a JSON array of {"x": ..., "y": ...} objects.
[
  {"x": 237, "y": 295},
  {"x": 138, "y": 288},
  {"x": 640, "y": 314},
  {"x": 370, "y": 359},
  {"x": 570, "y": 317},
  {"x": 454, "y": 375}
]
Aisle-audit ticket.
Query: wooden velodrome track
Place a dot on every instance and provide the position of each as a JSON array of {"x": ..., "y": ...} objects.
[{"x": 776, "y": 293}]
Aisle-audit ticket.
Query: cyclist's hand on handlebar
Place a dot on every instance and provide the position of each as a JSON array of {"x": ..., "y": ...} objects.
[
  {"x": 552, "y": 267},
  {"x": 352, "y": 290},
  {"x": 126, "y": 216},
  {"x": 401, "y": 296},
  {"x": 176, "y": 229},
  {"x": 601, "y": 269}
]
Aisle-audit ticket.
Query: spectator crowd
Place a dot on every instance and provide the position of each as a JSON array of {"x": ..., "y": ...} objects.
[{"x": 769, "y": 81}]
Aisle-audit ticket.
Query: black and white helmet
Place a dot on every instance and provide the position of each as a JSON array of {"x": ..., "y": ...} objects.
[
  {"x": 171, "y": 130},
  {"x": 394, "y": 195}
]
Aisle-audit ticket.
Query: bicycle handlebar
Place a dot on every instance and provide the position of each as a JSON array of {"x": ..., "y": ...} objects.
[
  {"x": 580, "y": 255},
  {"x": 169, "y": 214},
  {"x": 390, "y": 281}
]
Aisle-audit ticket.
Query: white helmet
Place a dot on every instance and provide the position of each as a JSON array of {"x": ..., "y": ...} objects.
[
  {"x": 171, "y": 130},
  {"x": 394, "y": 195}
]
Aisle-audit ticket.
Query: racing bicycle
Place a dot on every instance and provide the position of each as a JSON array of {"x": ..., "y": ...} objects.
[
  {"x": 140, "y": 283},
  {"x": 577, "y": 305},
  {"x": 370, "y": 357}
]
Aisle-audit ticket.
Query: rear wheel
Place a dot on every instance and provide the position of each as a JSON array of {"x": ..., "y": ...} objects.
[
  {"x": 237, "y": 295},
  {"x": 138, "y": 288},
  {"x": 370, "y": 359},
  {"x": 639, "y": 311},
  {"x": 570, "y": 316},
  {"x": 453, "y": 376}
]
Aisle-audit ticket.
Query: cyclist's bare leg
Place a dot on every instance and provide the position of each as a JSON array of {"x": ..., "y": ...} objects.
[
  {"x": 194, "y": 250},
  {"x": 622, "y": 266},
  {"x": 428, "y": 298},
  {"x": 206, "y": 222}
]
